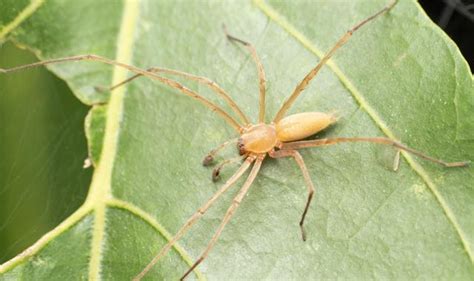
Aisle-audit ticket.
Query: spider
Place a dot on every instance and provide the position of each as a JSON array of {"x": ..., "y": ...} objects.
[{"x": 280, "y": 138}]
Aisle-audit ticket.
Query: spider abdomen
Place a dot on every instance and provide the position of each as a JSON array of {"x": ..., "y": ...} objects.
[{"x": 302, "y": 125}]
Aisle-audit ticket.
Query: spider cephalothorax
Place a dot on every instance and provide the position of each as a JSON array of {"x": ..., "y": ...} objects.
[{"x": 260, "y": 138}]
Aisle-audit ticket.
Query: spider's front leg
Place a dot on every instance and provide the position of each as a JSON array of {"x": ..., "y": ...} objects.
[
  {"x": 199, "y": 79},
  {"x": 196, "y": 216},
  {"x": 209, "y": 158},
  {"x": 217, "y": 170},
  {"x": 260, "y": 70},
  {"x": 230, "y": 212}
]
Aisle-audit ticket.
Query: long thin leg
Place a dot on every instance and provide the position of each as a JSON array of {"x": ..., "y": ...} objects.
[
  {"x": 210, "y": 156},
  {"x": 260, "y": 70},
  {"x": 307, "y": 79},
  {"x": 217, "y": 170},
  {"x": 379, "y": 140},
  {"x": 166, "y": 81},
  {"x": 309, "y": 183},
  {"x": 201, "y": 211},
  {"x": 228, "y": 215},
  {"x": 203, "y": 80}
]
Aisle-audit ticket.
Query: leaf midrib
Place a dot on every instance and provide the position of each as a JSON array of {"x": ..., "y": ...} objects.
[
  {"x": 100, "y": 196},
  {"x": 80, "y": 214},
  {"x": 101, "y": 185},
  {"x": 283, "y": 23}
]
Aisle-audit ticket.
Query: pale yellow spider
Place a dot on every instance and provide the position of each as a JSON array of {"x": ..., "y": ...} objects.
[{"x": 280, "y": 138}]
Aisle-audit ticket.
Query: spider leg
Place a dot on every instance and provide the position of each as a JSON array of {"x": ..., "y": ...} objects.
[
  {"x": 201, "y": 211},
  {"x": 202, "y": 80},
  {"x": 307, "y": 79},
  {"x": 210, "y": 156},
  {"x": 309, "y": 184},
  {"x": 378, "y": 140},
  {"x": 260, "y": 70},
  {"x": 228, "y": 215},
  {"x": 136, "y": 70},
  {"x": 217, "y": 170}
]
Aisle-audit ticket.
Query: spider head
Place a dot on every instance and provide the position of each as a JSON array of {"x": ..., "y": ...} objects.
[
  {"x": 241, "y": 146},
  {"x": 258, "y": 139}
]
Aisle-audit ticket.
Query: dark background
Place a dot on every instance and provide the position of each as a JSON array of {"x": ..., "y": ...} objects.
[{"x": 456, "y": 18}]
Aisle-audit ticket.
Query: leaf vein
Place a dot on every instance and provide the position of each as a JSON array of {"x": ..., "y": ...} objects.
[
  {"x": 291, "y": 30},
  {"x": 21, "y": 17},
  {"x": 101, "y": 186},
  {"x": 149, "y": 219},
  {"x": 48, "y": 237}
]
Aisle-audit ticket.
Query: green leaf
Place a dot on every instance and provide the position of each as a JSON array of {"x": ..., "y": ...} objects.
[
  {"x": 42, "y": 148},
  {"x": 399, "y": 76},
  {"x": 95, "y": 130}
]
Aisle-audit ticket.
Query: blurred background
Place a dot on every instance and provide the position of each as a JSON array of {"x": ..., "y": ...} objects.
[
  {"x": 42, "y": 141},
  {"x": 42, "y": 149},
  {"x": 456, "y": 18}
]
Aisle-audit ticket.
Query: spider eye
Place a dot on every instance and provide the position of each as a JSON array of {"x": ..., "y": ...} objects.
[{"x": 241, "y": 146}]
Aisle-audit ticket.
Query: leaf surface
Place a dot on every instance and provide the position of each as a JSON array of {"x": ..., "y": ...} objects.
[
  {"x": 42, "y": 147},
  {"x": 399, "y": 77}
]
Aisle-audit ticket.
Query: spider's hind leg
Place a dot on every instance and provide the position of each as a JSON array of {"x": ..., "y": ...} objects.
[
  {"x": 376, "y": 140},
  {"x": 309, "y": 184}
]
